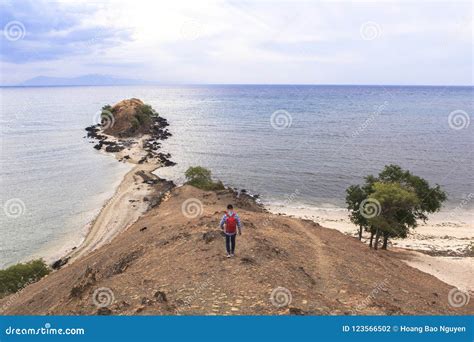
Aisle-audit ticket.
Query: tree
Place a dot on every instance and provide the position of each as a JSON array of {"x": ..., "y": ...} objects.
[
  {"x": 201, "y": 178},
  {"x": 355, "y": 196},
  {"x": 430, "y": 199},
  {"x": 107, "y": 108},
  {"x": 391, "y": 203},
  {"x": 395, "y": 218},
  {"x": 16, "y": 277}
]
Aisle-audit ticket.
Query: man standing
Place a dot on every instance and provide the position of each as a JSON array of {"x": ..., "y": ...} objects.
[{"x": 230, "y": 223}]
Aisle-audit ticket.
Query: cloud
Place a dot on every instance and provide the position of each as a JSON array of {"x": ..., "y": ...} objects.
[
  {"x": 53, "y": 30},
  {"x": 421, "y": 42}
]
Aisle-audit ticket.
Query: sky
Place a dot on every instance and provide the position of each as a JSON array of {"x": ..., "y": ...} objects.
[{"x": 240, "y": 42}]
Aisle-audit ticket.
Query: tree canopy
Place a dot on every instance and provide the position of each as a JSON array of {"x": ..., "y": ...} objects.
[
  {"x": 391, "y": 203},
  {"x": 201, "y": 178}
]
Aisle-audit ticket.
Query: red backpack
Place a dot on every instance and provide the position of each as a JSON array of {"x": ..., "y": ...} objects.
[{"x": 230, "y": 224}]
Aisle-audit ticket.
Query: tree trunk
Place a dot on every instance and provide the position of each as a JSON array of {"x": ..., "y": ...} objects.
[
  {"x": 385, "y": 241},
  {"x": 360, "y": 233},
  {"x": 371, "y": 238},
  {"x": 377, "y": 236}
]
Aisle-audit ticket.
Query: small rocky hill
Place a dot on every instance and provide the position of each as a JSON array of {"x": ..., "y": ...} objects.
[
  {"x": 130, "y": 117},
  {"x": 172, "y": 261}
]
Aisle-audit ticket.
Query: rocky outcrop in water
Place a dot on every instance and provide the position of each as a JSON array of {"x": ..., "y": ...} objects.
[{"x": 126, "y": 121}]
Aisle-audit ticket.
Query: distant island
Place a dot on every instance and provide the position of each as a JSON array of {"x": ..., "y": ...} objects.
[{"x": 84, "y": 80}]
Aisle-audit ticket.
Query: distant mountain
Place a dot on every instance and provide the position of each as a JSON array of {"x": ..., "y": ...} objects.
[{"x": 85, "y": 80}]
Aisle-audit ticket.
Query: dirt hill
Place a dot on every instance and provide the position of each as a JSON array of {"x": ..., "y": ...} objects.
[{"x": 167, "y": 263}]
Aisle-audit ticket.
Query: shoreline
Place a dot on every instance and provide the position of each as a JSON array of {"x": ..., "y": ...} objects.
[
  {"x": 69, "y": 243},
  {"x": 430, "y": 251},
  {"x": 136, "y": 193},
  {"x": 117, "y": 213},
  {"x": 438, "y": 237}
]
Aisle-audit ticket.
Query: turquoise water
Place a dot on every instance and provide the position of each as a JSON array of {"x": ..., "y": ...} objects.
[{"x": 312, "y": 141}]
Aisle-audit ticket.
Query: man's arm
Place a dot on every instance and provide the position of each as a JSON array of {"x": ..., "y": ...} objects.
[
  {"x": 221, "y": 225},
  {"x": 239, "y": 224}
]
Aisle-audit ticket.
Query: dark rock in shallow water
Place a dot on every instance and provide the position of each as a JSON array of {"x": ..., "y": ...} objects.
[
  {"x": 98, "y": 146},
  {"x": 59, "y": 263},
  {"x": 169, "y": 163},
  {"x": 114, "y": 148},
  {"x": 92, "y": 131},
  {"x": 164, "y": 159}
]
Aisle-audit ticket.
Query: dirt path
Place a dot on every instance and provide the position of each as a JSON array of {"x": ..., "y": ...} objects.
[{"x": 322, "y": 264}]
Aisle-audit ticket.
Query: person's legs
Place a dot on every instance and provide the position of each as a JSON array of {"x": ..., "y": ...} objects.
[
  {"x": 227, "y": 243},
  {"x": 232, "y": 246}
]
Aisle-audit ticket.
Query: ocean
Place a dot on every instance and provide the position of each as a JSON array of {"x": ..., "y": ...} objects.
[{"x": 297, "y": 146}]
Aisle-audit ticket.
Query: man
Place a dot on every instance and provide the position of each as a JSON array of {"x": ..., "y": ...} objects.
[{"x": 229, "y": 224}]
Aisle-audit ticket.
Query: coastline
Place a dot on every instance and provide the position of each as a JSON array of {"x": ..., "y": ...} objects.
[
  {"x": 438, "y": 237},
  {"x": 119, "y": 212},
  {"x": 68, "y": 243},
  {"x": 443, "y": 254},
  {"x": 137, "y": 192}
]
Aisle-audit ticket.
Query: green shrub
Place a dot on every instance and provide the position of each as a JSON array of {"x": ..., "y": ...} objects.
[
  {"x": 200, "y": 177},
  {"x": 147, "y": 110},
  {"x": 135, "y": 123},
  {"x": 143, "y": 116},
  {"x": 16, "y": 277}
]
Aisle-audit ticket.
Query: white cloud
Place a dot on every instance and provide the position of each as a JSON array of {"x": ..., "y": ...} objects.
[{"x": 273, "y": 42}]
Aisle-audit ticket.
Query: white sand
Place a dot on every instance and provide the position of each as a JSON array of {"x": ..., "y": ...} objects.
[
  {"x": 126, "y": 205},
  {"x": 455, "y": 271},
  {"x": 442, "y": 233}
]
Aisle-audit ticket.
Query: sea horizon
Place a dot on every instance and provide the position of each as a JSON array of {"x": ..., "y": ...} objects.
[{"x": 246, "y": 84}]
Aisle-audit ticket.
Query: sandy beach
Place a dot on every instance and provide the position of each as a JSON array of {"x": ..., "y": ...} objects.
[
  {"x": 456, "y": 271},
  {"x": 126, "y": 205}
]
